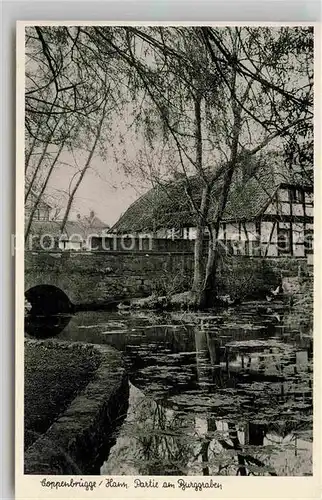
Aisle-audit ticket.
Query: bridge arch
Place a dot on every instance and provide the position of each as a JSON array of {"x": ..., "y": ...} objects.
[{"x": 48, "y": 300}]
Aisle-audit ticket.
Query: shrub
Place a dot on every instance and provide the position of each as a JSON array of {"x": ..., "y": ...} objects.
[
  {"x": 246, "y": 278},
  {"x": 168, "y": 284}
]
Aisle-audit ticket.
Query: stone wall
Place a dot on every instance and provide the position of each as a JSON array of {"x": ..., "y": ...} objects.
[
  {"x": 101, "y": 277},
  {"x": 89, "y": 278}
]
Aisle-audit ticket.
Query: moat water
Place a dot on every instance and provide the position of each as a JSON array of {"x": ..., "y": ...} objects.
[{"x": 218, "y": 393}]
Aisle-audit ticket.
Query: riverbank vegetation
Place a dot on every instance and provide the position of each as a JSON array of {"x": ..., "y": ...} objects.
[
  {"x": 54, "y": 375},
  {"x": 300, "y": 314}
]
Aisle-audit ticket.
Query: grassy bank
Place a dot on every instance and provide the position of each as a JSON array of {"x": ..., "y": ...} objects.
[
  {"x": 76, "y": 396},
  {"x": 54, "y": 375}
]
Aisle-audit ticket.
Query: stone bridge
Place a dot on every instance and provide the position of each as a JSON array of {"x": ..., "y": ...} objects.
[
  {"x": 58, "y": 280},
  {"x": 61, "y": 281}
]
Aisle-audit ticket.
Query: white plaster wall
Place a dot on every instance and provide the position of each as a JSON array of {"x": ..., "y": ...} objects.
[
  {"x": 271, "y": 209},
  {"x": 274, "y": 235},
  {"x": 266, "y": 228},
  {"x": 70, "y": 245},
  {"x": 284, "y": 209},
  {"x": 221, "y": 234},
  {"x": 309, "y": 211},
  {"x": 272, "y": 250},
  {"x": 310, "y": 259},
  {"x": 298, "y": 250},
  {"x": 297, "y": 209},
  {"x": 283, "y": 195},
  {"x": 267, "y": 231},
  {"x": 232, "y": 231}
]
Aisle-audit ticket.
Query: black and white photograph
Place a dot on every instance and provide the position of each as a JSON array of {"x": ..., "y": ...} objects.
[{"x": 168, "y": 252}]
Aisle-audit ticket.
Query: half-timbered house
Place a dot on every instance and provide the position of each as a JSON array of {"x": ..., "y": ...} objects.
[{"x": 267, "y": 214}]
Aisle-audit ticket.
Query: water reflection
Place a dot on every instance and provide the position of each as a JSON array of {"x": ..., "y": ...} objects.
[
  {"x": 227, "y": 394},
  {"x": 157, "y": 440},
  {"x": 42, "y": 327}
]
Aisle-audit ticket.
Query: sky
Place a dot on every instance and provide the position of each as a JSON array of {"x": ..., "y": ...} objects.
[{"x": 104, "y": 189}]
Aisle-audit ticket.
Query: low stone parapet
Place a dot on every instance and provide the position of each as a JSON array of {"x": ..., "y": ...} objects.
[{"x": 79, "y": 440}]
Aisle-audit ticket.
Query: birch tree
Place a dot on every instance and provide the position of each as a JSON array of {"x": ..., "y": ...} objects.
[
  {"x": 66, "y": 97},
  {"x": 234, "y": 91}
]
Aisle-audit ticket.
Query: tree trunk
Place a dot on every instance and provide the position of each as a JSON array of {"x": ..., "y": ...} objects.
[
  {"x": 204, "y": 205},
  {"x": 39, "y": 164},
  {"x": 208, "y": 292},
  {"x": 198, "y": 259},
  {"x": 34, "y": 208},
  {"x": 29, "y": 153},
  {"x": 200, "y": 236}
]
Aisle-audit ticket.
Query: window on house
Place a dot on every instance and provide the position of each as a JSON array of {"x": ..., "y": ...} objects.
[
  {"x": 256, "y": 248},
  {"x": 284, "y": 240},
  {"x": 308, "y": 240},
  {"x": 296, "y": 195}
]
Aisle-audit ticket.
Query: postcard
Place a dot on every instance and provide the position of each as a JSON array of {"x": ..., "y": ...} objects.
[{"x": 167, "y": 333}]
